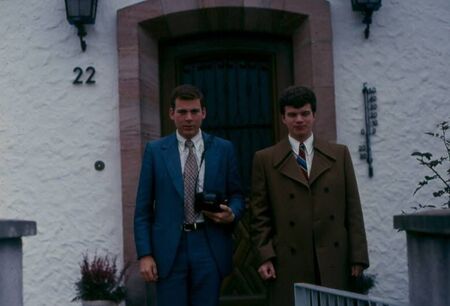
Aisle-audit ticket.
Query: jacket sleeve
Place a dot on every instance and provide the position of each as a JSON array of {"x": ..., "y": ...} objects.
[
  {"x": 354, "y": 216},
  {"x": 144, "y": 206},
  {"x": 261, "y": 214}
]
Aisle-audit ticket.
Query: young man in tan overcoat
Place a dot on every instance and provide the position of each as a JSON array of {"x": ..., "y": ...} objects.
[{"x": 307, "y": 223}]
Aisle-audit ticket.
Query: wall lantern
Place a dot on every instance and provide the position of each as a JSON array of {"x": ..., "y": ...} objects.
[
  {"x": 367, "y": 7},
  {"x": 80, "y": 13}
]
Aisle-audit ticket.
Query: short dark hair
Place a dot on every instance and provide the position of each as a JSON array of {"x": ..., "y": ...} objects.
[
  {"x": 297, "y": 96},
  {"x": 186, "y": 92}
]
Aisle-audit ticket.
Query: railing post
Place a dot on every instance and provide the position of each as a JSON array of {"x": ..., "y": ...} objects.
[
  {"x": 428, "y": 241},
  {"x": 11, "y": 233}
]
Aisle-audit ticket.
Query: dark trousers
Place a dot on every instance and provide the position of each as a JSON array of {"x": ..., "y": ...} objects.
[{"x": 194, "y": 279}]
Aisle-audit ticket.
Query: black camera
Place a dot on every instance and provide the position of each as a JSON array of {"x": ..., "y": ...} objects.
[{"x": 209, "y": 202}]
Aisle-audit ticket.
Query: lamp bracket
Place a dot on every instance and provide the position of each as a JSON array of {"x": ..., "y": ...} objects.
[
  {"x": 367, "y": 20},
  {"x": 366, "y": 7},
  {"x": 81, "y": 31}
]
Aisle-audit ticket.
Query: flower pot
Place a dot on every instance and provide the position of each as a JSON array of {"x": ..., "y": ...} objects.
[{"x": 99, "y": 303}]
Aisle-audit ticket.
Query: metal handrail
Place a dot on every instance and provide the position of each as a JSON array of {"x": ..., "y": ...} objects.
[{"x": 312, "y": 295}]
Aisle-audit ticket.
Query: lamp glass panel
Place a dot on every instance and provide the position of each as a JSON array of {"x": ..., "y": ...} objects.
[
  {"x": 363, "y": 2},
  {"x": 73, "y": 8},
  {"x": 86, "y": 8},
  {"x": 81, "y": 11},
  {"x": 363, "y": 5},
  {"x": 374, "y": 4}
]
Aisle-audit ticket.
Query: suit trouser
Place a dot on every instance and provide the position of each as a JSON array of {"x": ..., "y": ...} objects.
[{"x": 194, "y": 279}]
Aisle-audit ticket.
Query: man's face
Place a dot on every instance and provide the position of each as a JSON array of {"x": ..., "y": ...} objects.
[
  {"x": 299, "y": 121},
  {"x": 187, "y": 116}
]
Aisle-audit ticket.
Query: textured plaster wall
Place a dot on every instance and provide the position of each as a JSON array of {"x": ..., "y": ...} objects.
[
  {"x": 407, "y": 59},
  {"x": 52, "y": 132}
]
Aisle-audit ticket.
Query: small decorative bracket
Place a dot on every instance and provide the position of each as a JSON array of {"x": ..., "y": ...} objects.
[{"x": 81, "y": 31}]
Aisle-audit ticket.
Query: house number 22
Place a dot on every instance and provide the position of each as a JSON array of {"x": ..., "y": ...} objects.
[{"x": 78, "y": 79}]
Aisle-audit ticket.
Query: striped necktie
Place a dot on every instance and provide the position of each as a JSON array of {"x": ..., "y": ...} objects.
[
  {"x": 301, "y": 160},
  {"x": 189, "y": 178}
]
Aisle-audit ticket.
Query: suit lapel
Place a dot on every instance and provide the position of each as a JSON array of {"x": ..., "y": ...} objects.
[
  {"x": 171, "y": 157},
  {"x": 211, "y": 161},
  {"x": 285, "y": 161}
]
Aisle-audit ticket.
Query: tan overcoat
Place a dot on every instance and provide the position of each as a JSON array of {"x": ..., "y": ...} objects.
[{"x": 291, "y": 216}]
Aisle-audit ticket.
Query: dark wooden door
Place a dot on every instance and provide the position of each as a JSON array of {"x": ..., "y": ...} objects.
[
  {"x": 238, "y": 92},
  {"x": 240, "y": 78}
]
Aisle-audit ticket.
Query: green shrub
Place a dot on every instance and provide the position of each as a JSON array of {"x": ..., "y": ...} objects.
[{"x": 438, "y": 168}]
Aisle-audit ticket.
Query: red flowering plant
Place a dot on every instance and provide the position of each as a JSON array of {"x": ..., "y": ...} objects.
[{"x": 100, "y": 280}]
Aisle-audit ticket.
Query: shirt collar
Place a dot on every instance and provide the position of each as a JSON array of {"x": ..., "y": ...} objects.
[
  {"x": 308, "y": 144},
  {"x": 197, "y": 140}
]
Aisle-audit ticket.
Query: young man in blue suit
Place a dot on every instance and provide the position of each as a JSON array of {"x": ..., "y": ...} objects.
[{"x": 187, "y": 252}]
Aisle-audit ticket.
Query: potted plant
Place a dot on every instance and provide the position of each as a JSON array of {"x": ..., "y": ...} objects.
[
  {"x": 362, "y": 284},
  {"x": 100, "y": 284}
]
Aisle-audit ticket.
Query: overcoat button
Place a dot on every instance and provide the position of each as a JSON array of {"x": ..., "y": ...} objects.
[
  {"x": 292, "y": 223},
  {"x": 292, "y": 251},
  {"x": 331, "y": 217},
  {"x": 336, "y": 244},
  {"x": 291, "y": 195},
  {"x": 326, "y": 189}
]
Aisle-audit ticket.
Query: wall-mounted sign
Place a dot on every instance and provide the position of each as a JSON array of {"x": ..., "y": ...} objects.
[{"x": 90, "y": 71}]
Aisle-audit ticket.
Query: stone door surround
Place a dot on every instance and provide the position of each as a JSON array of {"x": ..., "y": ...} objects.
[{"x": 140, "y": 28}]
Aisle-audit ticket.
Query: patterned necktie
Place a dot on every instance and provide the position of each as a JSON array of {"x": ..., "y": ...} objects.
[
  {"x": 190, "y": 177},
  {"x": 301, "y": 160}
]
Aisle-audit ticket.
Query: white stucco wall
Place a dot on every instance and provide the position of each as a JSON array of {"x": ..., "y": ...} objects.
[
  {"x": 52, "y": 132},
  {"x": 407, "y": 59}
]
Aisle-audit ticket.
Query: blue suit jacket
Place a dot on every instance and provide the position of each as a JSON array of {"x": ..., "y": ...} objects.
[{"x": 159, "y": 210}]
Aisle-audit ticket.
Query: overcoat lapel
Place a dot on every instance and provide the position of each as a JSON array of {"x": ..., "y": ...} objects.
[
  {"x": 322, "y": 161},
  {"x": 285, "y": 161},
  {"x": 171, "y": 157}
]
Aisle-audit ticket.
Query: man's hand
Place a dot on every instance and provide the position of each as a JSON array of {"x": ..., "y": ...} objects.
[
  {"x": 147, "y": 268},
  {"x": 357, "y": 270},
  {"x": 267, "y": 270},
  {"x": 224, "y": 216}
]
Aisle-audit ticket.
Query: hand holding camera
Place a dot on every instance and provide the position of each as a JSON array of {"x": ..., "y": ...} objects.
[
  {"x": 209, "y": 202},
  {"x": 214, "y": 206},
  {"x": 224, "y": 216}
]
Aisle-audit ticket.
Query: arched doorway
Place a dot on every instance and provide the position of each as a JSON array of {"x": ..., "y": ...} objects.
[{"x": 299, "y": 33}]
